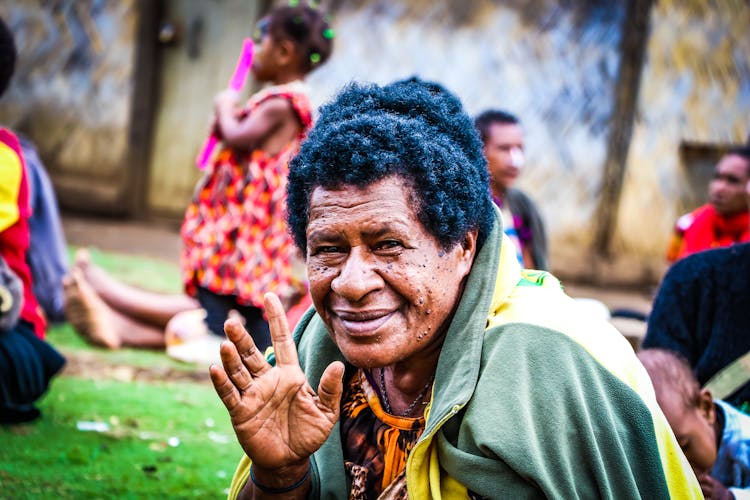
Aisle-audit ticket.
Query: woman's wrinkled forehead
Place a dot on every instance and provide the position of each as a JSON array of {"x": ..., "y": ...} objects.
[{"x": 387, "y": 201}]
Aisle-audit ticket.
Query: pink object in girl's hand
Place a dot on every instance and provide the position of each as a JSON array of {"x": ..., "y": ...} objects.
[{"x": 244, "y": 63}]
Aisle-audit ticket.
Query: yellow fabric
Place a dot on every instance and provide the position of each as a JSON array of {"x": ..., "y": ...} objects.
[
  {"x": 609, "y": 355},
  {"x": 10, "y": 182},
  {"x": 423, "y": 461},
  {"x": 241, "y": 475},
  {"x": 510, "y": 305}
]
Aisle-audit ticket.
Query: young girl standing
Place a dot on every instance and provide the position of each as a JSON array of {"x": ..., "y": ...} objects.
[{"x": 235, "y": 241}]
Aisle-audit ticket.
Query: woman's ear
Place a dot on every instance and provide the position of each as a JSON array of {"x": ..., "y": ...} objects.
[
  {"x": 706, "y": 406},
  {"x": 467, "y": 252},
  {"x": 469, "y": 242}
]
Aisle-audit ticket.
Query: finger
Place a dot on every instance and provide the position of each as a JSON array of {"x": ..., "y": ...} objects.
[
  {"x": 281, "y": 336},
  {"x": 224, "y": 387},
  {"x": 331, "y": 387},
  {"x": 234, "y": 367},
  {"x": 249, "y": 353}
]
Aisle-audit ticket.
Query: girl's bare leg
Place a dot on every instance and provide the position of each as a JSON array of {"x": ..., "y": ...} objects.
[
  {"x": 143, "y": 306},
  {"x": 100, "y": 324}
]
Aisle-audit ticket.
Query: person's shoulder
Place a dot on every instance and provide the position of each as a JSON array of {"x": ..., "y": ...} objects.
[
  {"x": 10, "y": 142},
  {"x": 518, "y": 194},
  {"x": 291, "y": 98},
  {"x": 736, "y": 430},
  {"x": 11, "y": 159},
  {"x": 297, "y": 90},
  {"x": 685, "y": 221},
  {"x": 539, "y": 309},
  {"x": 519, "y": 201},
  {"x": 706, "y": 273},
  {"x": 712, "y": 260}
]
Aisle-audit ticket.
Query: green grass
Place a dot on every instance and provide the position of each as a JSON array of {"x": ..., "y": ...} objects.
[
  {"x": 134, "y": 458},
  {"x": 131, "y": 460}
]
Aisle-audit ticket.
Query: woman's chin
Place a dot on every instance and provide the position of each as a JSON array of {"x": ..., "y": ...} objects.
[{"x": 364, "y": 355}]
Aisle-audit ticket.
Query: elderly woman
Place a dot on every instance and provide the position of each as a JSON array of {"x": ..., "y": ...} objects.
[{"x": 441, "y": 367}]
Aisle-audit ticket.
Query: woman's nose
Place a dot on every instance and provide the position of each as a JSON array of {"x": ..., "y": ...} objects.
[{"x": 357, "y": 277}]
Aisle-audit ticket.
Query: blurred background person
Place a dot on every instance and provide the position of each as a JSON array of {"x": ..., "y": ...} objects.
[
  {"x": 724, "y": 219},
  {"x": 713, "y": 434},
  {"x": 47, "y": 255},
  {"x": 27, "y": 362},
  {"x": 502, "y": 135},
  {"x": 701, "y": 311}
]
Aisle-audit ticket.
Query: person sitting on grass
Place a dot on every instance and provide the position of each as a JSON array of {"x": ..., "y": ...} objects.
[
  {"x": 27, "y": 362},
  {"x": 714, "y": 436}
]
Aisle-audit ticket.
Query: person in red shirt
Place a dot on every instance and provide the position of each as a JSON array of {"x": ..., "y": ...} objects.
[
  {"x": 27, "y": 363},
  {"x": 723, "y": 221}
]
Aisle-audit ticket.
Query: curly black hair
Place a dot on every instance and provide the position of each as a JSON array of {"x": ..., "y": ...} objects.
[
  {"x": 7, "y": 56},
  {"x": 412, "y": 128}
]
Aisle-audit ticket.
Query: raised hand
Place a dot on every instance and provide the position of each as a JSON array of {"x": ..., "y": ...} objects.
[
  {"x": 278, "y": 419},
  {"x": 713, "y": 489}
]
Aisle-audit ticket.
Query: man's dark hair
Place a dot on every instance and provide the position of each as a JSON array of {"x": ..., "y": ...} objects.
[
  {"x": 743, "y": 152},
  {"x": 486, "y": 119},
  {"x": 307, "y": 28},
  {"x": 7, "y": 56},
  {"x": 413, "y": 129}
]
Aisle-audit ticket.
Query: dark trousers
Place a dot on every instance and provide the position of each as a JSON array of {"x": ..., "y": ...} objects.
[
  {"x": 217, "y": 309},
  {"x": 27, "y": 364}
]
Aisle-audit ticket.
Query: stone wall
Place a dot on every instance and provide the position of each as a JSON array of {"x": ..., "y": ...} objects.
[
  {"x": 72, "y": 92},
  {"x": 554, "y": 64},
  {"x": 695, "y": 90}
]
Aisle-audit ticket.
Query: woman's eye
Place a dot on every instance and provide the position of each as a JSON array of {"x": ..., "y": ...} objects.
[{"x": 388, "y": 245}]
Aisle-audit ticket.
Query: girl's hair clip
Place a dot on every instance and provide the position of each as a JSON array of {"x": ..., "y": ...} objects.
[
  {"x": 315, "y": 58},
  {"x": 328, "y": 33}
]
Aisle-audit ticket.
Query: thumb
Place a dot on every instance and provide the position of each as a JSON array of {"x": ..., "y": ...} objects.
[{"x": 331, "y": 387}]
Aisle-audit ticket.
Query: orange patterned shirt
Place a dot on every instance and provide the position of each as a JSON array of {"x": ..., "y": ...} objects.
[
  {"x": 235, "y": 237},
  {"x": 376, "y": 444}
]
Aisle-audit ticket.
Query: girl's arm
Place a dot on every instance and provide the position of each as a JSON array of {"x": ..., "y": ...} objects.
[{"x": 250, "y": 131}]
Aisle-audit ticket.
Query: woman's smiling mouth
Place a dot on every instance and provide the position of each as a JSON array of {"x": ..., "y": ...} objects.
[{"x": 363, "y": 323}]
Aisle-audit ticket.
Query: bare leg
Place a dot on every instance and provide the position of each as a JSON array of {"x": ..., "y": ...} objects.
[
  {"x": 100, "y": 324},
  {"x": 152, "y": 308}
]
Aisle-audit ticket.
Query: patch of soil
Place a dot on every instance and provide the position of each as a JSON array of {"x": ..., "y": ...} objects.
[{"x": 89, "y": 365}]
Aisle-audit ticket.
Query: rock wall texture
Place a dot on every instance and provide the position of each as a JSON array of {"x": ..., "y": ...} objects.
[
  {"x": 695, "y": 90},
  {"x": 554, "y": 64},
  {"x": 73, "y": 87}
]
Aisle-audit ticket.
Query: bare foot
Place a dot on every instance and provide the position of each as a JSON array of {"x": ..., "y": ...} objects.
[
  {"x": 82, "y": 258},
  {"x": 82, "y": 261},
  {"x": 88, "y": 314}
]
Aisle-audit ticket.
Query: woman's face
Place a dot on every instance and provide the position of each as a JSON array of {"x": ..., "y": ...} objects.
[{"x": 384, "y": 287}]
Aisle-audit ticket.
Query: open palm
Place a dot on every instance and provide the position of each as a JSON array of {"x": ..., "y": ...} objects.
[{"x": 278, "y": 419}]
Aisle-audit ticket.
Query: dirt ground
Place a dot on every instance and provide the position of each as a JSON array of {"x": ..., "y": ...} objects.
[{"x": 162, "y": 241}]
